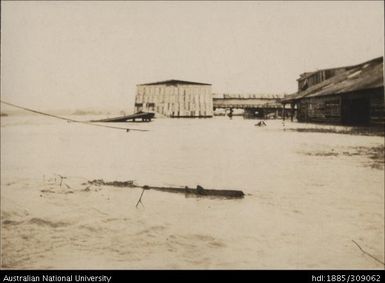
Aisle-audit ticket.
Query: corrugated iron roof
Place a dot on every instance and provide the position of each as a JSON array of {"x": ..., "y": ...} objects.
[
  {"x": 309, "y": 74},
  {"x": 174, "y": 82},
  {"x": 363, "y": 76}
]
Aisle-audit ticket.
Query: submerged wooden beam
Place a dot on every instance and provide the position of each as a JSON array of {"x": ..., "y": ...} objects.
[
  {"x": 198, "y": 191},
  {"x": 145, "y": 116}
]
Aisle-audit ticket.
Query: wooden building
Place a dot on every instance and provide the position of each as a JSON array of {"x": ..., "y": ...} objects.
[
  {"x": 351, "y": 95},
  {"x": 309, "y": 79},
  {"x": 175, "y": 98},
  {"x": 253, "y": 105}
]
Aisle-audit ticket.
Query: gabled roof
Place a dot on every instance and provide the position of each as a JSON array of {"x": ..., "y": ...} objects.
[
  {"x": 174, "y": 82},
  {"x": 367, "y": 75}
]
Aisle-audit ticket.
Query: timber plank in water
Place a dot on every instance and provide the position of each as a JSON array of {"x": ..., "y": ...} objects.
[
  {"x": 198, "y": 191},
  {"x": 145, "y": 116}
]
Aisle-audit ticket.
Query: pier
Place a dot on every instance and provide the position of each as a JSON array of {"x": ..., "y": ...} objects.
[{"x": 254, "y": 107}]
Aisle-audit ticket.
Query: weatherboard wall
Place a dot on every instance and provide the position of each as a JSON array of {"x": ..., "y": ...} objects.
[
  {"x": 339, "y": 108},
  {"x": 182, "y": 100}
]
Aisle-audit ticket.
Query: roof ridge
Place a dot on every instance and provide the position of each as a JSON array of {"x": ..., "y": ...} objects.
[{"x": 173, "y": 81}]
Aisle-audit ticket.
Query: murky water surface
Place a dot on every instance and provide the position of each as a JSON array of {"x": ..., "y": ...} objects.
[{"x": 308, "y": 195}]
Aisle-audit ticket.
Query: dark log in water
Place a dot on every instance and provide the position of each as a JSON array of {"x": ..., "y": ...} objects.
[
  {"x": 101, "y": 182},
  {"x": 198, "y": 191}
]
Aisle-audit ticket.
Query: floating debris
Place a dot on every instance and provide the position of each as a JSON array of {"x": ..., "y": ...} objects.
[
  {"x": 198, "y": 191},
  {"x": 101, "y": 182}
]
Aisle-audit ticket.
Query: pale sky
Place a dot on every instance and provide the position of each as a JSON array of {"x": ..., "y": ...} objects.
[{"x": 69, "y": 55}]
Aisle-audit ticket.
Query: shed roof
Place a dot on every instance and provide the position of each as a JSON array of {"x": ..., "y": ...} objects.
[
  {"x": 306, "y": 75},
  {"x": 367, "y": 75},
  {"x": 174, "y": 82}
]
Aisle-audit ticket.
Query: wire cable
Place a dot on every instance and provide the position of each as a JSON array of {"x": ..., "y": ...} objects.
[{"x": 68, "y": 119}]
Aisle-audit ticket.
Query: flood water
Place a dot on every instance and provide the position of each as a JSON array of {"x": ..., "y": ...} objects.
[{"x": 308, "y": 196}]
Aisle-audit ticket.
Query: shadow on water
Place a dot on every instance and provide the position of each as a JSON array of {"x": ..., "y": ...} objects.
[
  {"x": 376, "y": 155},
  {"x": 361, "y": 131}
]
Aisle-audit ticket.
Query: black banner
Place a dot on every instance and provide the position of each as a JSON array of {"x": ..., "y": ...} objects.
[{"x": 108, "y": 276}]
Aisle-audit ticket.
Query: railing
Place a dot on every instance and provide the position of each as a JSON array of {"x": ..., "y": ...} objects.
[{"x": 247, "y": 106}]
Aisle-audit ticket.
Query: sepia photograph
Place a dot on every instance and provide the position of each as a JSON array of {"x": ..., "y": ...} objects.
[{"x": 191, "y": 135}]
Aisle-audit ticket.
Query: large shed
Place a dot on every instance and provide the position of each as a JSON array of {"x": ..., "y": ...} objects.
[
  {"x": 352, "y": 96},
  {"x": 175, "y": 98}
]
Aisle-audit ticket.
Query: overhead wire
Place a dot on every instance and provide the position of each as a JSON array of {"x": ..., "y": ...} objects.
[{"x": 69, "y": 119}]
